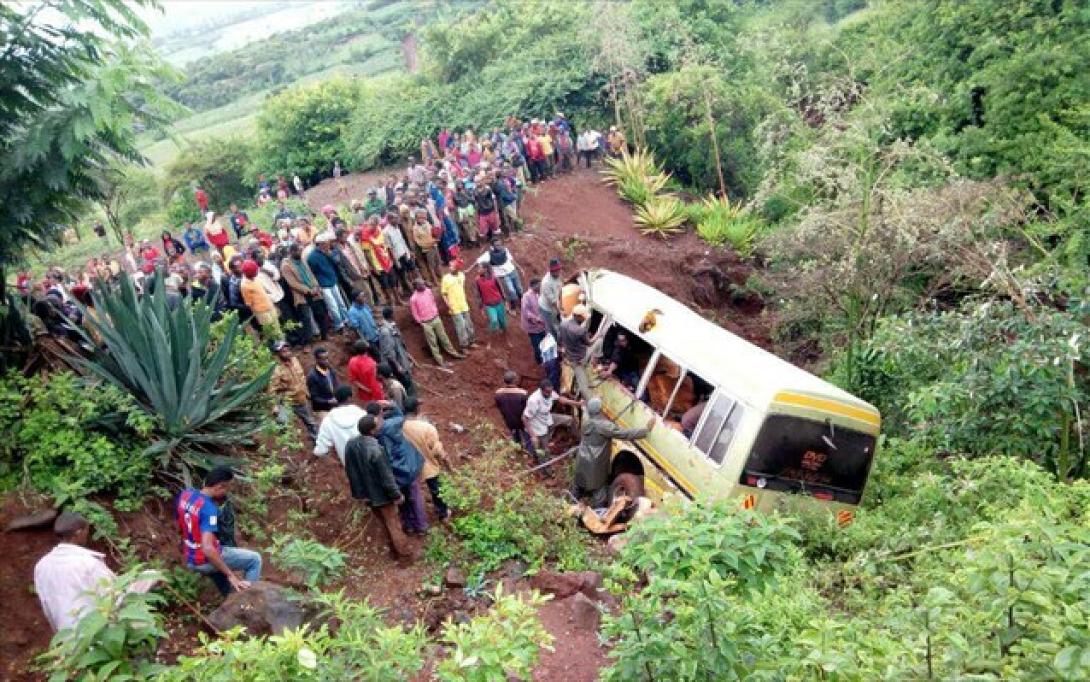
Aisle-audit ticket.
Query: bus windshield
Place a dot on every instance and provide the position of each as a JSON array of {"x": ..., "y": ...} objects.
[{"x": 793, "y": 454}]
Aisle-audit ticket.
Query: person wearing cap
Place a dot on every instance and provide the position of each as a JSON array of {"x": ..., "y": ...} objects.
[
  {"x": 257, "y": 300},
  {"x": 425, "y": 311},
  {"x": 592, "y": 457},
  {"x": 549, "y": 298},
  {"x": 321, "y": 264},
  {"x": 453, "y": 289},
  {"x": 70, "y": 578},
  {"x": 198, "y": 519},
  {"x": 615, "y": 142},
  {"x": 289, "y": 384},
  {"x": 371, "y": 480},
  {"x": 575, "y": 342},
  {"x": 374, "y": 205}
]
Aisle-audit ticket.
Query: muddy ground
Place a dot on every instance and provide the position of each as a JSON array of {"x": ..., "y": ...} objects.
[{"x": 574, "y": 217}]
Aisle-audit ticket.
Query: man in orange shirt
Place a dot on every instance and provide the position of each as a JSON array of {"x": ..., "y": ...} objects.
[
  {"x": 257, "y": 299},
  {"x": 363, "y": 373}
]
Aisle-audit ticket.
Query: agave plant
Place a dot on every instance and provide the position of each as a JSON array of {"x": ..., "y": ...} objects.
[
  {"x": 637, "y": 177},
  {"x": 722, "y": 222},
  {"x": 661, "y": 217},
  {"x": 163, "y": 358}
]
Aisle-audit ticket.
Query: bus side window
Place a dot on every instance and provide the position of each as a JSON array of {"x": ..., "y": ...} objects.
[
  {"x": 726, "y": 434},
  {"x": 718, "y": 416}
]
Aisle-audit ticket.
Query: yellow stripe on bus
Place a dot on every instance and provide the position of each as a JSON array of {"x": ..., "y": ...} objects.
[{"x": 824, "y": 405}]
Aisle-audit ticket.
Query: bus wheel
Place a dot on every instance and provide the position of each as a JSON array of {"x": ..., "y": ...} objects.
[{"x": 629, "y": 485}]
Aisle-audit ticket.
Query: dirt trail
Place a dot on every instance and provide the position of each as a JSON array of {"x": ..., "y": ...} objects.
[{"x": 574, "y": 217}]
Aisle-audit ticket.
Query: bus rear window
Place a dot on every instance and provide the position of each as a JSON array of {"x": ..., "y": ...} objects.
[{"x": 799, "y": 455}]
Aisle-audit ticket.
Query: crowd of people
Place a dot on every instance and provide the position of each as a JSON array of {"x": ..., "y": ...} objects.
[{"x": 307, "y": 281}]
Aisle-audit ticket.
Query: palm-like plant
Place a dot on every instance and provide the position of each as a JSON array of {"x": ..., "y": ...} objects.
[
  {"x": 661, "y": 217},
  {"x": 636, "y": 176},
  {"x": 163, "y": 358},
  {"x": 722, "y": 222}
]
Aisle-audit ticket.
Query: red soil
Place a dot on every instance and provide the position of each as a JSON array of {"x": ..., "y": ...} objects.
[{"x": 574, "y": 206}]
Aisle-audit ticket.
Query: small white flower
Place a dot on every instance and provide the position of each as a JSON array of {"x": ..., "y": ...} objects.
[{"x": 307, "y": 658}]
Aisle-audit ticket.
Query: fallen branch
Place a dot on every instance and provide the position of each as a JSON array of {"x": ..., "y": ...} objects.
[
  {"x": 437, "y": 368},
  {"x": 568, "y": 453}
]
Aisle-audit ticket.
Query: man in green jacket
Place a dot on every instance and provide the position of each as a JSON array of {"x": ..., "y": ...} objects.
[
  {"x": 374, "y": 205},
  {"x": 371, "y": 480},
  {"x": 592, "y": 457}
]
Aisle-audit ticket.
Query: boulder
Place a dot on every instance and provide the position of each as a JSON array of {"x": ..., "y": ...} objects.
[
  {"x": 584, "y": 613},
  {"x": 563, "y": 585},
  {"x": 42, "y": 518},
  {"x": 454, "y": 577},
  {"x": 264, "y": 609}
]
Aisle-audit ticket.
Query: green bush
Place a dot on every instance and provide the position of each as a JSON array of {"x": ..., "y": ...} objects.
[
  {"x": 504, "y": 643},
  {"x": 661, "y": 216},
  {"x": 302, "y": 130},
  {"x": 317, "y": 563},
  {"x": 73, "y": 439},
  {"x": 115, "y": 640},
  {"x": 719, "y": 222},
  {"x": 220, "y": 166}
]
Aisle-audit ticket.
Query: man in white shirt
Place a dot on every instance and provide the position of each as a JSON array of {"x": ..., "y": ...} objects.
[
  {"x": 339, "y": 425},
  {"x": 70, "y": 578},
  {"x": 538, "y": 416}
]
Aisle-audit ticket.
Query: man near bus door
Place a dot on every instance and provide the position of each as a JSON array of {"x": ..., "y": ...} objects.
[
  {"x": 575, "y": 340},
  {"x": 592, "y": 458}
]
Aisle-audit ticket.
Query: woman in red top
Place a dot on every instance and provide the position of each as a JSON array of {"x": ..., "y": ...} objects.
[
  {"x": 488, "y": 288},
  {"x": 363, "y": 373},
  {"x": 216, "y": 235}
]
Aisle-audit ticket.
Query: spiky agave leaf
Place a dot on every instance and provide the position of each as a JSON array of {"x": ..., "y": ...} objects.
[
  {"x": 661, "y": 217},
  {"x": 161, "y": 357}
]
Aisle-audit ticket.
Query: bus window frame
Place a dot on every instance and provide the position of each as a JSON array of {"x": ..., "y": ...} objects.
[{"x": 735, "y": 403}]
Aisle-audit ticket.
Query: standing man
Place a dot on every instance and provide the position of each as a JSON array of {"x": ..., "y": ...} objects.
[
  {"x": 425, "y": 236},
  {"x": 616, "y": 142},
  {"x": 321, "y": 264},
  {"x": 374, "y": 205},
  {"x": 371, "y": 480},
  {"x": 202, "y": 199},
  {"x": 531, "y": 318},
  {"x": 322, "y": 382},
  {"x": 538, "y": 418},
  {"x": 339, "y": 426},
  {"x": 70, "y": 577},
  {"x": 290, "y": 385},
  {"x": 306, "y": 294},
  {"x": 298, "y": 183},
  {"x": 548, "y": 300},
  {"x": 506, "y": 270},
  {"x": 392, "y": 351},
  {"x": 575, "y": 341},
  {"x": 363, "y": 373},
  {"x": 426, "y": 313},
  {"x": 198, "y": 521},
  {"x": 587, "y": 143},
  {"x": 453, "y": 288},
  {"x": 257, "y": 300},
  {"x": 593, "y": 456},
  {"x": 425, "y": 438},
  {"x": 511, "y": 402},
  {"x": 486, "y": 205},
  {"x": 405, "y": 460},
  {"x": 362, "y": 319},
  {"x": 491, "y": 297}
]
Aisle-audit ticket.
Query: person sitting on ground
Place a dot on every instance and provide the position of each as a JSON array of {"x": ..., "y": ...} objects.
[
  {"x": 592, "y": 459},
  {"x": 70, "y": 577},
  {"x": 392, "y": 388},
  {"x": 425, "y": 438},
  {"x": 371, "y": 480},
  {"x": 405, "y": 460},
  {"x": 363, "y": 372},
  {"x": 289, "y": 384},
  {"x": 538, "y": 418},
  {"x": 339, "y": 426},
  {"x": 511, "y": 402},
  {"x": 198, "y": 521},
  {"x": 322, "y": 382}
]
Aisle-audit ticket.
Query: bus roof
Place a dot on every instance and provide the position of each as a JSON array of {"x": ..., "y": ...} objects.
[{"x": 713, "y": 353}]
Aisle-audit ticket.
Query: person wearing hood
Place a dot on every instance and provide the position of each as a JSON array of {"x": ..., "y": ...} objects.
[
  {"x": 339, "y": 426},
  {"x": 592, "y": 457},
  {"x": 405, "y": 460}
]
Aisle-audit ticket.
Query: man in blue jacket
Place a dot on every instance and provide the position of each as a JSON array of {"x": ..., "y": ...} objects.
[
  {"x": 324, "y": 268},
  {"x": 362, "y": 319},
  {"x": 195, "y": 241},
  {"x": 405, "y": 460}
]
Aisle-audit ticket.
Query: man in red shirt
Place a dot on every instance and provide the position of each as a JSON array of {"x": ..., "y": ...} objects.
[
  {"x": 363, "y": 373},
  {"x": 202, "y": 199},
  {"x": 488, "y": 289}
]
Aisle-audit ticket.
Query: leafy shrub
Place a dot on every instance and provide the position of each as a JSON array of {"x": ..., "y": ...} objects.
[
  {"x": 317, "y": 563},
  {"x": 362, "y": 647},
  {"x": 498, "y": 517},
  {"x": 504, "y": 643},
  {"x": 302, "y": 129},
  {"x": 73, "y": 439},
  {"x": 220, "y": 166},
  {"x": 164, "y": 359},
  {"x": 636, "y": 176},
  {"x": 720, "y": 222},
  {"x": 661, "y": 217},
  {"x": 116, "y": 640}
]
